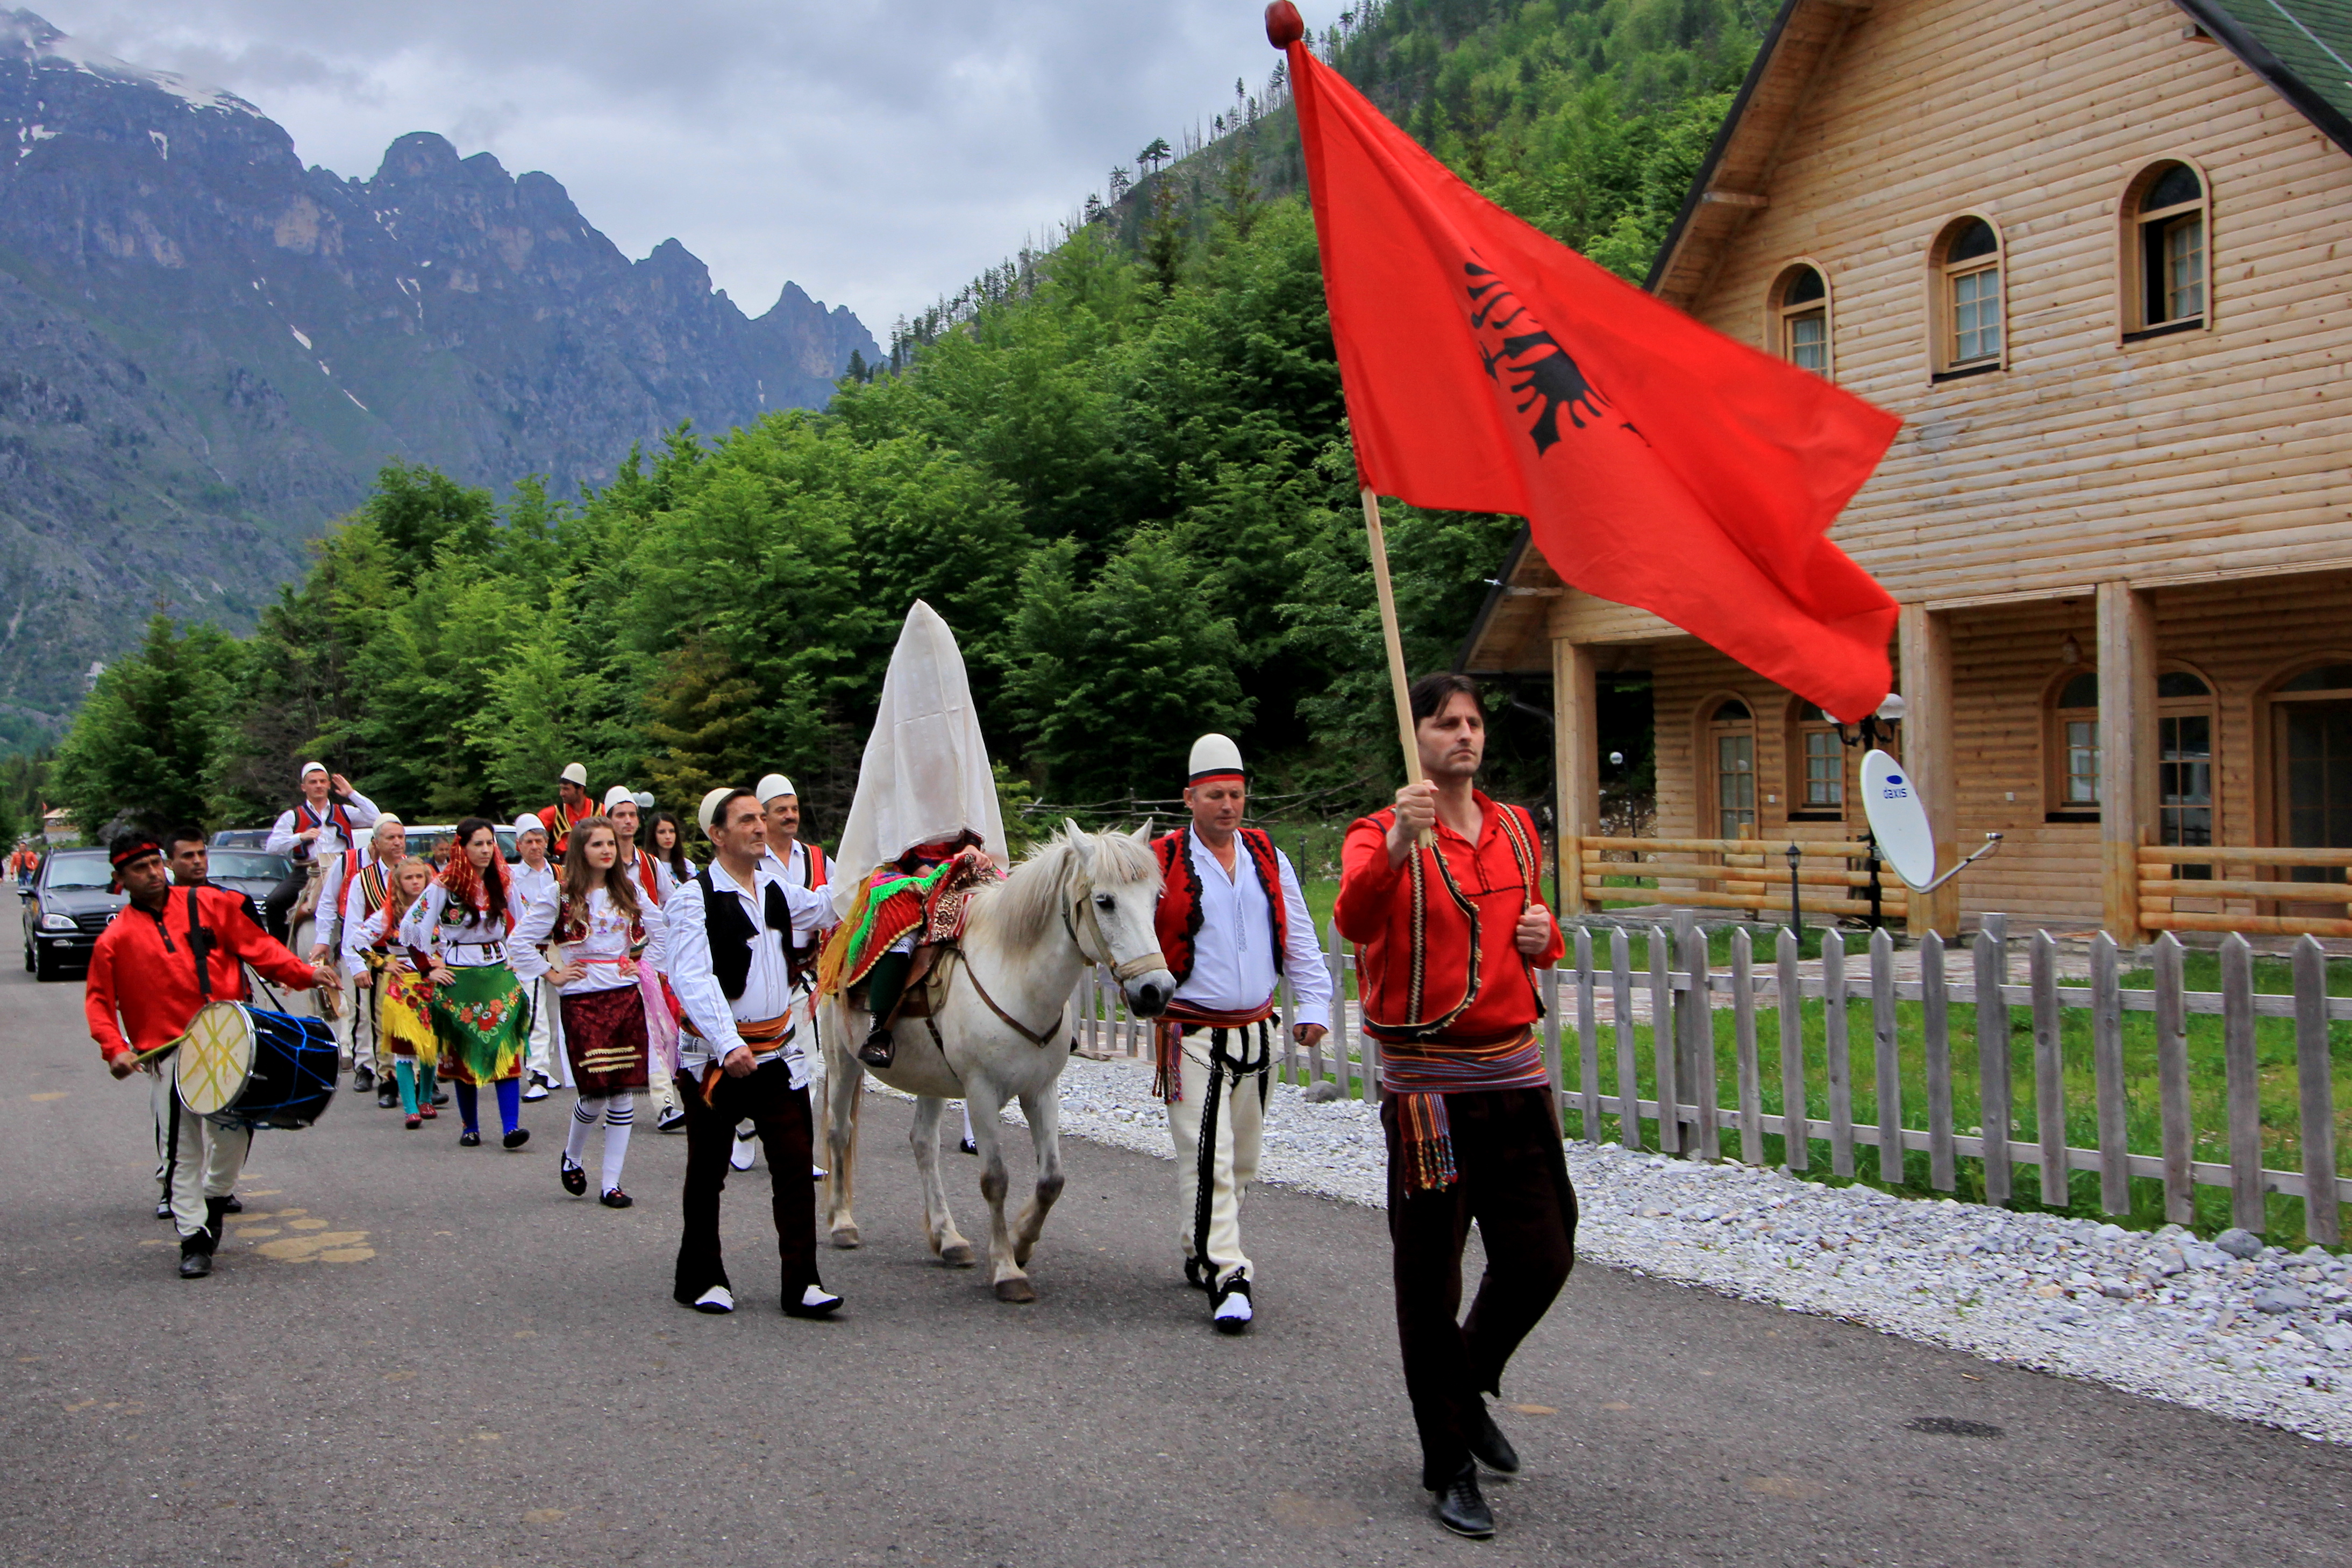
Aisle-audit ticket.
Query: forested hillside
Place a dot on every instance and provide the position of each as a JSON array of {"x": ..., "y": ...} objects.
[{"x": 1119, "y": 469}]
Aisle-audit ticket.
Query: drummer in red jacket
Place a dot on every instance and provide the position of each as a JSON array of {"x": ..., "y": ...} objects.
[{"x": 163, "y": 957}]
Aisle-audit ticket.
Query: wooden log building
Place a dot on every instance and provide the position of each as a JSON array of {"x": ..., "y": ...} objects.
[{"x": 2097, "y": 254}]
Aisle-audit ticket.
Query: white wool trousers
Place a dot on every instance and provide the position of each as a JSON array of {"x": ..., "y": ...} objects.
[
  {"x": 544, "y": 1054},
  {"x": 1223, "y": 1161},
  {"x": 203, "y": 1161}
]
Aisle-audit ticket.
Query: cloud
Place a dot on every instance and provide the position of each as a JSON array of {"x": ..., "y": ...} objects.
[{"x": 878, "y": 152}]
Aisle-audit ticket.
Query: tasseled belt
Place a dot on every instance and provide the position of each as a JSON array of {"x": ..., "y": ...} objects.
[
  {"x": 1168, "y": 1038},
  {"x": 1420, "y": 1074}
]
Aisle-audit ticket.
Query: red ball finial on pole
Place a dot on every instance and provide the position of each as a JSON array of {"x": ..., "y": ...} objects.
[{"x": 1284, "y": 25}]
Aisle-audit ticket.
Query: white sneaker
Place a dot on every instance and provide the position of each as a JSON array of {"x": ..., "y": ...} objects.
[
  {"x": 717, "y": 1299},
  {"x": 814, "y": 1299},
  {"x": 818, "y": 1172},
  {"x": 746, "y": 1148},
  {"x": 1233, "y": 1313},
  {"x": 536, "y": 1089}
]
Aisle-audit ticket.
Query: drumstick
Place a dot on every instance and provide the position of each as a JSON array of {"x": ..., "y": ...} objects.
[{"x": 159, "y": 1052}]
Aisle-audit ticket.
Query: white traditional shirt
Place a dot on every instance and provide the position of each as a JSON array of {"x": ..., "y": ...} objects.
[
  {"x": 282, "y": 840},
  {"x": 607, "y": 942},
  {"x": 709, "y": 1026},
  {"x": 351, "y": 901},
  {"x": 530, "y": 885},
  {"x": 475, "y": 941},
  {"x": 1233, "y": 956}
]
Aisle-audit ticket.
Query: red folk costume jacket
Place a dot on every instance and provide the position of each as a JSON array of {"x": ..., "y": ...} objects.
[
  {"x": 560, "y": 819},
  {"x": 151, "y": 957},
  {"x": 1435, "y": 960}
]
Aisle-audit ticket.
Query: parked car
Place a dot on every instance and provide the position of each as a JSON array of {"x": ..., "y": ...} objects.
[
  {"x": 240, "y": 838},
  {"x": 248, "y": 871},
  {"x": 69, "y": 904},
  {"x": 426, "y": 840}
]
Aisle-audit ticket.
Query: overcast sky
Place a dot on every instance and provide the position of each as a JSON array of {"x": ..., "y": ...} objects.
[{"x": 878, "y": 152}]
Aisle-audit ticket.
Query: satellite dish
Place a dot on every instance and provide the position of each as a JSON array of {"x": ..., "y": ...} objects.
[{"x": 1890, "y": 798}]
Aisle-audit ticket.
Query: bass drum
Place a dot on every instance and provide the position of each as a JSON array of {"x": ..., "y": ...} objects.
[{"x": 240, "y": 1065}]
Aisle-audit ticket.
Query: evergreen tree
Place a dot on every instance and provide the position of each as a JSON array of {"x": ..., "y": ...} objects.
[{"x": 144, "y": 746}]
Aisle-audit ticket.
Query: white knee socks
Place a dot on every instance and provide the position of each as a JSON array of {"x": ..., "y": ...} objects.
[{"x": 618, "y": 1110}]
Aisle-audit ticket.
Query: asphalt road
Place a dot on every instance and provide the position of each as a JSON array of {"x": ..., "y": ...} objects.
[{"x": 463, "y": 1365}]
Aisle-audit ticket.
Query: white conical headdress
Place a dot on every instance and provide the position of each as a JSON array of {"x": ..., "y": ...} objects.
[
  {"x": 925, "y": 775},
  {"x": 1214, "y": 755}
]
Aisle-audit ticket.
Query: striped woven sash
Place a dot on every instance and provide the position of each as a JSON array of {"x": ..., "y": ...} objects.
[{"x": 1420, "y": 1074}]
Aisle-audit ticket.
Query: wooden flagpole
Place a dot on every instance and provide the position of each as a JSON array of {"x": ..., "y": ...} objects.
[{"x": 1395, "y": 641}]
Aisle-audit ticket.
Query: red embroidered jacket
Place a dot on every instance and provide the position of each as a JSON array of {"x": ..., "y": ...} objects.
[
  {"x": 1464, "y": 980},
  {"x": 1178, "y": 917},
  {"x": 559, "y": 820},
  {"x": 145, "y": 969}
]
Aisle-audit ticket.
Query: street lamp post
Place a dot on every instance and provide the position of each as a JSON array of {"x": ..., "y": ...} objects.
[{"x": 1796, "y": 910}]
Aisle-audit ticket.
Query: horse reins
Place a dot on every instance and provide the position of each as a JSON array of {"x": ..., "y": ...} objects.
[{"x": 1143, "y": 964}]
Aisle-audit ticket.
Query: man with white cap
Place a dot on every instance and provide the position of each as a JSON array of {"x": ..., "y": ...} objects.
[
  {"x": 355, "y": 895},
  {"x": 1232, "y": 924},
  {"x": 325, "y": 822},
  {"x": 572, "y": 804},
  {"x": 804, "y": 864},
  {"x": 740, "y": 1054},
  {"x": 536, "y": 882}
]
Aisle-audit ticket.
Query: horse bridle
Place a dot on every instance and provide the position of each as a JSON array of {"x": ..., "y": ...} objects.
[{"x": 1143, "y": 964}]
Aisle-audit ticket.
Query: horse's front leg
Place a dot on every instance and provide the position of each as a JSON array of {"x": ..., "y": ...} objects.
[
  {"x": 938, "y": 1225},
  {"x": 987, "y": 1106},
  {"x": 1044, "y": 1111},
  {"x": 844, "y": 1077}
]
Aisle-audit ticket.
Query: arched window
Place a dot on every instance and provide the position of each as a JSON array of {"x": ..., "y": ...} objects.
[
  {"x": 2184, "y": 768},
  {"x": 1731, "y": 745},
  {"x": 2074, "y": 749},
  {"x": 1801, "y": 319},
  {"x": 2165, "y": 266},
  {"x": 2311, "y": 739},
  {"x": 1817, "y": 790},
  {"x": 1968, "y": 329}
]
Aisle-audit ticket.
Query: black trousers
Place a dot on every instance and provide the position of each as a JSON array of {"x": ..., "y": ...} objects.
[
  {"x": 779, "y": 1114},
  {"x": 283, "y": 898},
  {"x": 1514, "y": 1181}
]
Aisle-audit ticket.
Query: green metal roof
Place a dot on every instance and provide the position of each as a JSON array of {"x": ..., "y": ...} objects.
[{"x": 2303, "y": 47}]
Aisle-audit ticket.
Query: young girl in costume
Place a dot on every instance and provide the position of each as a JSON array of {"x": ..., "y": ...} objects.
[
  {"x": 458, "y": 935},
  {"x": 602, "y": 931},
  {"x": 403, "y": 1001}
]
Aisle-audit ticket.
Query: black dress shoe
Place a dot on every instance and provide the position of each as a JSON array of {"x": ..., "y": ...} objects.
[
  {"x": 387, "y": 1098},
  {"x": 469, "y": 1139},
  {"x": 363, "y": 1079},
  {"x": 195, "y": 1265},
  {"x": 440, "y": 1096},
  {"x": 1460, "y": 1507},
  {"x": 518, "y": 1138},
  {"x": 878, "y": 1049},
  {"x": 1490, "y": 1447},
  {"x": 575, "y": 1179},
  {"x": 232, "y": 1204},
  {"x": 616, "y": 1199}
]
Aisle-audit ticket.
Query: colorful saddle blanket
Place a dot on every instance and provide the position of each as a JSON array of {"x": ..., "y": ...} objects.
[{"x": 891, "y": 905}]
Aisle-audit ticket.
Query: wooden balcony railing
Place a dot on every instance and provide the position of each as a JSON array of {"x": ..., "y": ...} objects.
[{"x": 2239, "y": 875}]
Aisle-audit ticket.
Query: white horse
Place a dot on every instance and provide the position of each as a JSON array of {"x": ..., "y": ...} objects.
[{"x": 1002, "y": 1032}]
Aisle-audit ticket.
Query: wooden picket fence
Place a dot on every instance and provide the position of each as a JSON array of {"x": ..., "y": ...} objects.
[{"x": 1696, "y": 1120}]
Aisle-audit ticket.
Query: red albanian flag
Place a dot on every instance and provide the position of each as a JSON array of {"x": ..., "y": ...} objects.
[{"x": 1658, "y": 463}]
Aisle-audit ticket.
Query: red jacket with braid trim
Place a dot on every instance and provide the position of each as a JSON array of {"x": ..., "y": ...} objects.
[
  {"x": 144, "y": 969},
  {"x": 1494, "y": 878}
]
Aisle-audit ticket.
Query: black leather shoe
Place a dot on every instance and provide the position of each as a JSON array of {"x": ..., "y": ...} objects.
[
  {"x": 387, "y": 1098},
  {"x": 616, "y": 1199},
  {"x": 232, "y": 1204},
  {"x": 517, "y": 1139},
  {"x": 1490, "y": 1447},
  {"x": 195, "y": 1265},
  {"x": 363, "y": 1079},
  {"x": 1460, "y": 1508},
  {"x": 878, "y": 1049},
  {"x": 469, "y": 1139},
  {"x": 440, "y": 1096},
  {"x": 575, "y": 1178}
]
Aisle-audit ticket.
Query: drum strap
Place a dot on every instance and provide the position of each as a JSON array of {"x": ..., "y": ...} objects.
[{"x": 200, "y": 946}]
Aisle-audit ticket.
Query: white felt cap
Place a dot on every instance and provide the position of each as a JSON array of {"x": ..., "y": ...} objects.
[
  {"x": 710, "y": 807},
  {"x": 619, "y": 794},
  {"x": 523, "y": 824},
  {"x": 773, "y": 786},
  {"x": 308, "y": 769},
  {"x": 1214, "y": 755},
  {"x": 574, "y": 774}
]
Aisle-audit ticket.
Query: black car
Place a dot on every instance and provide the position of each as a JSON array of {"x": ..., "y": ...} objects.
[{"x": 68, "y": 905}]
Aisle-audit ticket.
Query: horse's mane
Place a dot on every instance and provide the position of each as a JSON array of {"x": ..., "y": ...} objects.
[{"x": 1026, "y": 903}]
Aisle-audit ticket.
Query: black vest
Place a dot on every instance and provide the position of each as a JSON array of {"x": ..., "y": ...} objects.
[{"x": 730, "y": 933}]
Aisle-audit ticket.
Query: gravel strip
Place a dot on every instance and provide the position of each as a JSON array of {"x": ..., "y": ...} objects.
[{"x": 2230, "y": 1326}]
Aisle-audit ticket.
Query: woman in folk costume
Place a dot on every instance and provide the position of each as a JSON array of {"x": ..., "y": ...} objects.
[
  {"x": 403, "y": 1001},
  {"x": 602, "y": 932},
  {"x": 666, "y": 842},
  {"x": 362, "y": 893},
  {"x": 1232, "y": 924},
  {"x": 925, "y": 819},
  {"x": 458, "y": 934}
]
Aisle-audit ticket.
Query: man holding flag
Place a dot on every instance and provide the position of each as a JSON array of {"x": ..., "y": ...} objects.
[{"x": 1490, "y": 368}]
